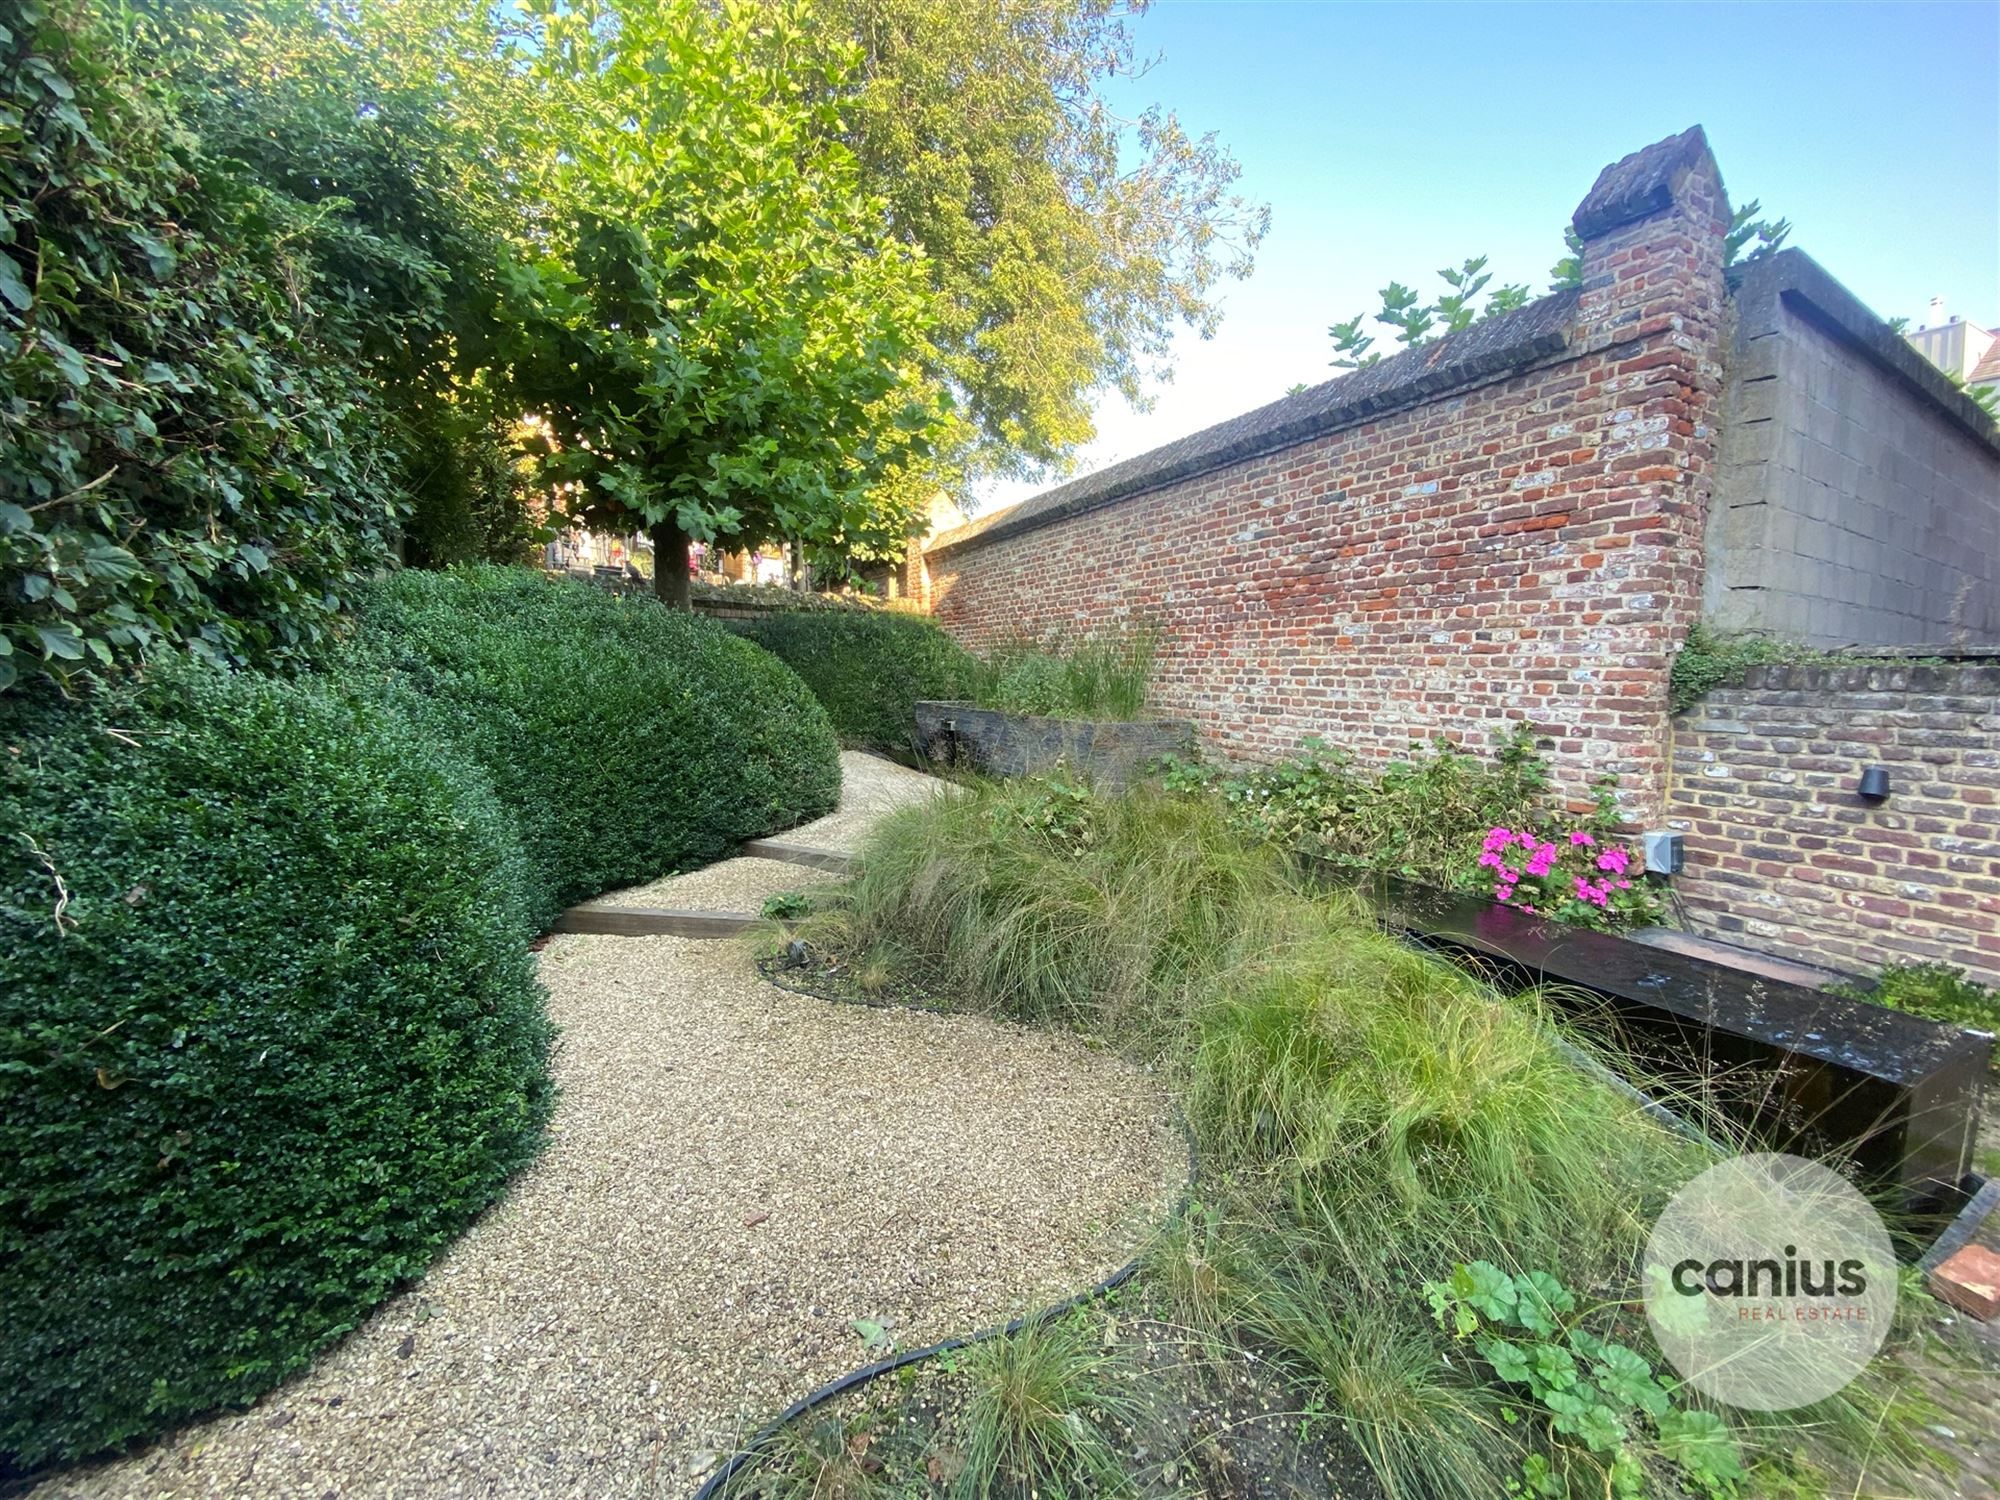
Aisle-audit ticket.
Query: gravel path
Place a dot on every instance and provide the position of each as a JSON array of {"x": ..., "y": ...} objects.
[
  {"x": 735, "y": 1174},
  {"x": 869, "y": 787}
]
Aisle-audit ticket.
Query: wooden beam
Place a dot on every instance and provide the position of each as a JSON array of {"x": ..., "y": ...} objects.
[
  {"x": 834, "y": 860},
  {"x": 654, "y": 921}
]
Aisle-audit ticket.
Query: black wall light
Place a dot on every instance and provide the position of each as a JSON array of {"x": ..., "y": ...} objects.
[{"x": 1874, "y": 784}]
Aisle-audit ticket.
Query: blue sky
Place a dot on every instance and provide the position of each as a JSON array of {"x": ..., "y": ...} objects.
[{"x": 1392, "y": 139}]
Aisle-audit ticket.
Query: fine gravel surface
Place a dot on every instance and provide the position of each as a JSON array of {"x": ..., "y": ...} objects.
[
  {"x": 736, "y": 1175},
  {"x": 869, "y": 787},
  {"x": 739, "y": 884}
]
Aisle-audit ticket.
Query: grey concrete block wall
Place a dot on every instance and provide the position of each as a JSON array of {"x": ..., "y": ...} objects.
[{"x": 1857, "y": 496}]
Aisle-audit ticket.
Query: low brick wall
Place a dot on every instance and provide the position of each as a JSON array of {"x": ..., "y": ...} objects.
[{"x": 1783, "y": 855}]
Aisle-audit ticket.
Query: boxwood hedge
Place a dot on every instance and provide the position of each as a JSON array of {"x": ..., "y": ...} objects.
[
  {"x": 626, "y": 740},
  {"x": 269, "y": 1038},
  {"x": 868, "y": 668}
]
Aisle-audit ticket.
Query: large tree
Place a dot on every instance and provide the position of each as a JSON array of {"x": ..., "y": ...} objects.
[
  {"x": 726, "y": 341},
  {"x": 1066, "y": 243}
]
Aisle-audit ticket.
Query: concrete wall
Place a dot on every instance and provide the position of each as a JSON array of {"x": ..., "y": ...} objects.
[
  {"x": 1784, "y": 856},
  {"x": 1857, "y": 496}
]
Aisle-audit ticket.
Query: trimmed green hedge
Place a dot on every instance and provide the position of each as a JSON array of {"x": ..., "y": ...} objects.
[
  {"x": 868, "y": 669},
  {"x": 626, "y": 740},
  {"x": 269, "y": 1039}
]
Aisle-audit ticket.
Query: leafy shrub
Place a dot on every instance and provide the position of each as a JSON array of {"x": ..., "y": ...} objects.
[
  {"x": 269, "y": 1039},
  {"x": 625, "y": 739},
  {"x": 1101, "y": 675},
  {"x": 1709, "y": 659},
  {"x": 1605, "y": 1405},
  {"x": 1436, "y": 818},
  {"x": 1938, "y": 992},
  {"x": 787, "y": 906},
  {"x": 192, "y": 451},
  {"x": 867, "y": 668}
]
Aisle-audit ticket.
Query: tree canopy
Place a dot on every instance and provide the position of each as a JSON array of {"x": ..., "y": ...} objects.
[
  {"x": 1749, "y": 238},
  {"x": 280, "y": 280},
  {"x": 723, "y": 336},
  {"x": 1066, "y": 243}
]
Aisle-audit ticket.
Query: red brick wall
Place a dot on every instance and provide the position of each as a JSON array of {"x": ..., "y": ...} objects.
[
  {"x": 1527, "y": 547},
  {"x": 1783, "y": 855}
]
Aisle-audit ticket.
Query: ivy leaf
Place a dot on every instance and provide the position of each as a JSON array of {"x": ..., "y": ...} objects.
[
  {"x": 159, "y": 254},
  {"x": 60, "y": 643},
  {"x": 75, "y": 371},
  {"x": 12, "y": 286}
]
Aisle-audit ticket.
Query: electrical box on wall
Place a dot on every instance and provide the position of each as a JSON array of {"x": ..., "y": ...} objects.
[{"x": 1663, "y": 852}]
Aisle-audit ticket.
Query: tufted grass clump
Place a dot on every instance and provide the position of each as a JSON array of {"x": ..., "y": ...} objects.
[
  {"x": 1413, "y": 1114},
  {"x": 1037, "y": 1405},
  {"x": 1367, "y": 1118},
  {"x": 1101, "y": 674},
  {"x": 1044, "y": 902}
]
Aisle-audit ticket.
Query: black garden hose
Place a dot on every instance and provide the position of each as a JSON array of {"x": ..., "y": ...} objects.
[
  {"x": 714, "y": 1486},
  {"x": 719, "y": 1480}
]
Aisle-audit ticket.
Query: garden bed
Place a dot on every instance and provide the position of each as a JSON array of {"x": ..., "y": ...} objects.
[
  {"x": 1105, "y": 752},
  {"x": 1812, "y": 1072}
]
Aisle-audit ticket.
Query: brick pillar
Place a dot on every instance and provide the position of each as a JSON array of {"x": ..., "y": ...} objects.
[{"x": 1652, "y": 308}]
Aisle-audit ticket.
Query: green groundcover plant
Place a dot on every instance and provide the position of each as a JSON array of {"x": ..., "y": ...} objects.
[
  {"x": 625, "y": 740},
  {"x": 269, "y": 1038},
  {"x": 1447, "y": 818}
]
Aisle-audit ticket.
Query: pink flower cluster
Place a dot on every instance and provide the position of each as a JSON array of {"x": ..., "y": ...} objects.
[{"x": 1605, "y": 872}]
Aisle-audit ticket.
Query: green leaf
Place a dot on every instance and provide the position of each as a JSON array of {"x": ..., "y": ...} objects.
[
  {"x": 75, "y": 371},
  {"x": 1626, "y": 1377},
  {"x": 1509, "y": 1360},
  {"x": 13, "y": 288},
  {"x": 60, "y": 643}
]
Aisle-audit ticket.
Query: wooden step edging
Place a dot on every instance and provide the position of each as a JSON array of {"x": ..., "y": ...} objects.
[
  {"x": 661, "y": 921},
  {"x": 655, "y": 921},
  {"x": 835, "y": 861}
]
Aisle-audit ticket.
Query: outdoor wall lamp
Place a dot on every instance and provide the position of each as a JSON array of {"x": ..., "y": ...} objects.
[{"x": 1874, "y": 784}]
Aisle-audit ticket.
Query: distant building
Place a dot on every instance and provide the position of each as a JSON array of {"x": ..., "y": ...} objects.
[{"x": 1964, "y": 351}]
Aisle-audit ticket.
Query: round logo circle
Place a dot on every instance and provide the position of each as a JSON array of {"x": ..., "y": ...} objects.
[{"x": 1770, "y": 1282}]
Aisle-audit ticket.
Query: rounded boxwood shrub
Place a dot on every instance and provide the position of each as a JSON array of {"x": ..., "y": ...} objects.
[
  {"x": 627, "y": 740},
  {"x": 869, "y": 669},
  {"x": 269, "y": 1038}
]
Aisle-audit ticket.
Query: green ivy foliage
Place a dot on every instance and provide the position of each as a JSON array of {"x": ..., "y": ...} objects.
[
  {"x": 627, "y": 740},
  {"x": 269, "y": 1038},
  {"x": 188, "y": 450},
  {"x": 868, "y": 669}
]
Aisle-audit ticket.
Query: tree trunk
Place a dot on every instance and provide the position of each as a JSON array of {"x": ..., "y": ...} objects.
[{"x": 670, "y": 565}]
